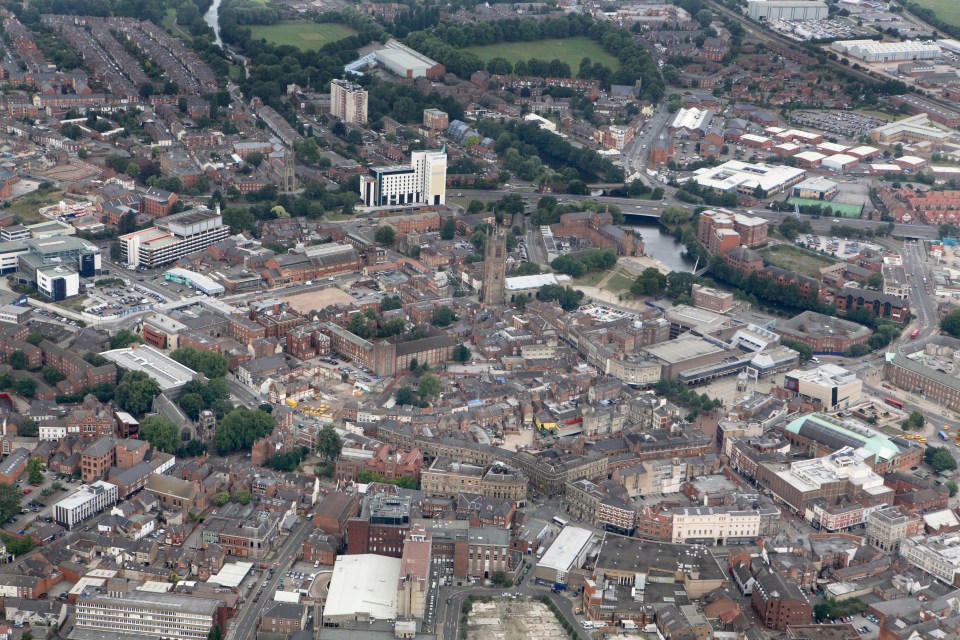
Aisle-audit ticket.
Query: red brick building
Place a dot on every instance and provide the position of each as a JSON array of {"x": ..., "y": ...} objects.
[
  {"x": 779, "y": 602},
  {"x": 96, "y": 460},
  {"x": 880, "y": 304}
]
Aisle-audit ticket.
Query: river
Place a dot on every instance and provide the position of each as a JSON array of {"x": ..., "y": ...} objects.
[
  {"x": 211, "y": 17},
  {"x": 661, "y": 245}
]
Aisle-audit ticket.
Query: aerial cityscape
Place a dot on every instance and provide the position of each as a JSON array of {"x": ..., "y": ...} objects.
[{"x": 480, "y": 320}]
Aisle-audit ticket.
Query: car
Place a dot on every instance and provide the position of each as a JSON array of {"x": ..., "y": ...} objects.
[{"x": 27, "y": 491}]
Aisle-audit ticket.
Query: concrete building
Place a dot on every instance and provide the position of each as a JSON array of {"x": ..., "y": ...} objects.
[
  {"x": 422, "y": 182},
  {"x": 887, "y": 528},
  {"x": 873, "y": 51},
  {"x": 172, "y": 238},
  {"x": 567, "y": 553},
  {"x": 720, "y": 230},
  {"x": 85, "y": 502},
  {"x": 348, "y": 101},
  {"x": 787, "y": 9},
  {"x": 895, "y": 281},
  {"x": 715, "y": 526},
  {"x": 829, "y": 385},
  {"x": 915, "y": 128},
  {"x": 937, "y": 555},
  {"x": 166, "y": 616},
  {"x": 413, "y": 585},
  {"x": 735, "y": 176},
  {"x": 53, "y": 265}
]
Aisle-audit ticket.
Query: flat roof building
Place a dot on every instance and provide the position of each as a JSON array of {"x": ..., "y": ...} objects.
[
  {"x": 168, "y": 373},
  {"x": 173, "y": 237},
  {"x": 830, "y": 385},
  {"x": 86, "y": 501},
  {"x": 407, "y": 63},
  {"x": 567, "y": 552},
  {"x": 734, "y": 176},
  {"x": 873, "y": 51},
  {"x": 787, "y": 9},
  {"x": 363, "y": 588},
  {"x": 170, "y": 616}
]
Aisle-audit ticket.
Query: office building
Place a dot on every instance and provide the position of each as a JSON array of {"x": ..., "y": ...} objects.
[
  {"x": 761, "y": 179},
  {"x": 85, "y": 502},
  {"x": 143, "y": 614},
  {"x": 786, "y": 9},
  {"x": 172, "y": 238},
  {"x": 348, "y": 101},
  {"x": 829, "y": 385},
  {"x": 53, "y": 265},
  {"x": 422, "y": 182}
]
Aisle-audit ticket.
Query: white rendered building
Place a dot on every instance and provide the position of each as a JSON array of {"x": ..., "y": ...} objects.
[{"x": 423, "y": 182}]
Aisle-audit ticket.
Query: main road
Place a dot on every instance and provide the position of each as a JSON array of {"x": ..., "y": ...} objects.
[{"x": 245, "y": 625}]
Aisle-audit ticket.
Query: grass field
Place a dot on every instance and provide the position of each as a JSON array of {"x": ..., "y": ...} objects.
[
  {"x": 569, "y": 50},
  {"x": 839, "y": 208},
  {"x": 302, "y": 34},
  {"x": 793, "y": 258},
  {"x": 28, "y": 206},
  {"x": 946, "y": 10}
]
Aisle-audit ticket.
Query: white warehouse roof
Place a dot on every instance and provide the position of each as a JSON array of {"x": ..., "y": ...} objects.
[
  {"x": 198, "y": 280},
  {"x": 363, "y": 584},
  {"x": 565, "y": 550}
]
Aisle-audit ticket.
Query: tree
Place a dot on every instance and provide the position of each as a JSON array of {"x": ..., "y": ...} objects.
[
  {"x": 444, "y": 316},
  {"x": 210, "y": 363},
  {"x": 940, "y": 459},
  {"x": 35, "y": 468},
  {"x": 875, "y": 281},
  {"x": 136, "y": 392},
  {"x": 328, "y": 443},
  {"x": 26, "y": 387},
  {"x": 9, "y": 501},
  {"x": 254, "y": 159},
  {"x": 161, "y": 433},
  {"x": 242, "y": 497},
  {"x": 385, "y": 235},
  {"x": 475, "y": 206},
  {"x": 358, "y": 326},
  {"x": 124, "y": 338},
  {"x": 448, "y": 230},
  {"x": 146, "y": 90},
  {"x": 214, "y": 633},
  {"x": 27, "y": 428},
  {"x": 52, "y": 375},
  {"x": 804, "y": 350},
  {"x": 501, "y": 579},
  {"x": 914, "y": 421},
  {"x": 952, "y": 487},
  {"x": 429, "y": 386},
  {"x": 192, "y": 404},
  {"x": 461, "y": 353},
  {"x": 404, "y": 395},
  {"x": 220, "y": 499},
  {"x": 17, "y": 360},
  {"x": 950, "y": 324},
  {"x": 240, "y": 428}
]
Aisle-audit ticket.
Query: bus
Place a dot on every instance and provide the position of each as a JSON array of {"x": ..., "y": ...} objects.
[
  {"x": 893, "y": 403},
  {"x": 943, "y": 435},
  {"x": 560, "y": 522},
  {"x": 914, "y": 334}
]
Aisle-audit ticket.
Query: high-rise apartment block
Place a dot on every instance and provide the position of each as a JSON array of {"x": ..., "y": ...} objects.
[
  {"x": 348, "y": 101},
  {"x": 422, "y": 182}
]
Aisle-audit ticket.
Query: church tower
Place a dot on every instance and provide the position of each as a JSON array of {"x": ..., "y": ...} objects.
[{"x": 494, "y": 289}]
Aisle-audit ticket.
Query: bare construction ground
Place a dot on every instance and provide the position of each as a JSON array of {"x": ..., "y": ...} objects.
[
  {"x": 316, "y": 300},
  {"x": 513, "y": 620}
]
